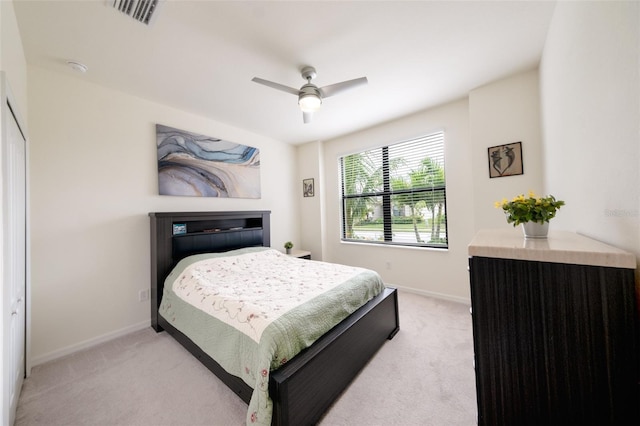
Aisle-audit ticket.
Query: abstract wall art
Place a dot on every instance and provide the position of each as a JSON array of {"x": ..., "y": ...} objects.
[
  {"x": 195, "y": 165},
  {"x": 505, "y": 160}
]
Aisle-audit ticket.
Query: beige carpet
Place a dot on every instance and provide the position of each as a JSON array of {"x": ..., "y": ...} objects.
[{"x": 424, "y": 376}]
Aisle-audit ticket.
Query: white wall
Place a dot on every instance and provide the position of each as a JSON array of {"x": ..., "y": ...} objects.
[
  {"x": 503, "y": 112},
  {"x": 590, "y": 96},
  {"x": 94, "y": 181},
  {"x": 311, "y": 165},
  {"x": 12, "y": 59},
  {"x": 430, "y": 271}
]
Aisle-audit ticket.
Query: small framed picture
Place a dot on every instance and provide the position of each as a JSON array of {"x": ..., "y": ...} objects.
[
  {"x": 307, "y": 187},
  {"x": 505, "y": 160},
  {"x": 179, "y": 228}
]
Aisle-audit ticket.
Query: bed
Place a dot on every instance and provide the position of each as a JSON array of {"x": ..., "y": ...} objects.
[{"x": 304, "y": 387}]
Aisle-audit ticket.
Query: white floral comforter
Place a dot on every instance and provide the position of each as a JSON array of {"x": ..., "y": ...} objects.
[{"x": 254, "y": 309}]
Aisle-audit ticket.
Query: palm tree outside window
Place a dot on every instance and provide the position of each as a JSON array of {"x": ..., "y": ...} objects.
[{"x": 396, "y": 194}]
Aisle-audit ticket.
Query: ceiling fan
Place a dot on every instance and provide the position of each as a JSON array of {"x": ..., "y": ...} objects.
[{"x": 310, "y": 96}]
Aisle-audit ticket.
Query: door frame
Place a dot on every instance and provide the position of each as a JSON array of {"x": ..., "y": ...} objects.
[{"x": 10, "y": 111}]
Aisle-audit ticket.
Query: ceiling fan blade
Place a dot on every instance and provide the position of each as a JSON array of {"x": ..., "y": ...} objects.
[
  {"x": 334, "y": 89},
  {"x": 277, "y": 86},
  {"x": 306, "y": 117}
]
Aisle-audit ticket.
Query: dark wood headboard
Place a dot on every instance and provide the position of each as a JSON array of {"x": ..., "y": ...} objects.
[{"x": 175, "y": 236}]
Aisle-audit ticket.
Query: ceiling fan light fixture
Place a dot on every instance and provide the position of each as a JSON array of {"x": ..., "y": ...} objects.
[
  {"x": 309, "y": 95},
  {"x": 309, "y": 102}
]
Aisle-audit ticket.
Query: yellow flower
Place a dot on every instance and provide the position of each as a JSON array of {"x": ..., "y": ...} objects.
[
  {"x": 501, "y": 204},
  {"x": 532, "y": 208}
]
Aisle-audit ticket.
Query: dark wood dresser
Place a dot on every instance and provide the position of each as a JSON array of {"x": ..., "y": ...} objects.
[{"x": 555, "y": 328}]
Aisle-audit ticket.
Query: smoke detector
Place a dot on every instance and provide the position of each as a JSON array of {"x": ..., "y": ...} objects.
[
  {"x": 143, "y": 11},
  {"x": 77, "y": 66}
]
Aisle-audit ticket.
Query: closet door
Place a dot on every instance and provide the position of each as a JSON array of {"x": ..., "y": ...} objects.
[{"x": 13, "y": 262}]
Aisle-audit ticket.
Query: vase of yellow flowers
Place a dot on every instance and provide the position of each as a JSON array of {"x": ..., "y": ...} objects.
[{"x": 532, "y": 212}]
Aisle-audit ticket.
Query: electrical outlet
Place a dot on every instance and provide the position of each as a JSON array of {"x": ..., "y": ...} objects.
[
  {"x": 388, "y": 265},
  {"x": 143, "y": 295}
]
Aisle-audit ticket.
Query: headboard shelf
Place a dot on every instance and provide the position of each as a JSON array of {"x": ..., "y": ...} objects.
[
  {"x": 217, "y": 231},
  {"x": 216, "y": 225}
]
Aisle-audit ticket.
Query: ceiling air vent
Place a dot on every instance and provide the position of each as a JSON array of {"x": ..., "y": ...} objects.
[{"x": 141, "y": 10}]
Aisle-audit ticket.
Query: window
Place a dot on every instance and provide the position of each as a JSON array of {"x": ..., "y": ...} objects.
[{"x": 396, "y": 194}]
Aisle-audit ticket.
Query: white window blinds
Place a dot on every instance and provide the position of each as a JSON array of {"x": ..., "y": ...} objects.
[{"x": 396, "y": 194}]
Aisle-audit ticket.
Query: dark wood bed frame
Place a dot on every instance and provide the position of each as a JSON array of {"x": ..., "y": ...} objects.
[{"x": 304, "y": 388}]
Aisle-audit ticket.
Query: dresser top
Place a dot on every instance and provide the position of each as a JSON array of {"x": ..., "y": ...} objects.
[{"x": 559, "y": 247}]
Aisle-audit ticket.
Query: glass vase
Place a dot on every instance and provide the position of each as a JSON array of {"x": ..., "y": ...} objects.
[{"x": 535, "y": 229}]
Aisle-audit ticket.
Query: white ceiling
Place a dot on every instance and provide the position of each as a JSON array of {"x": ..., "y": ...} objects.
[{"x": 200, "y": 56}]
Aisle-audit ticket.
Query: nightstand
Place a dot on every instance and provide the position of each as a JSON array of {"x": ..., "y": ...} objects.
[{"x": 301, "y": 254}]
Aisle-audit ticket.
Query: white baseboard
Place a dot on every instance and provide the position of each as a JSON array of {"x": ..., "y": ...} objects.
[
  {"x": 433, "y": 294},
  {"x": 59, "y": 353}
]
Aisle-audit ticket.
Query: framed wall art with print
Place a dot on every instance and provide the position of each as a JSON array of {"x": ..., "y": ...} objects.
[
  {"x": 190, "y": 164},
  {"x": 308, "y": 187},
  {"x": 505, "y": 160}
]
